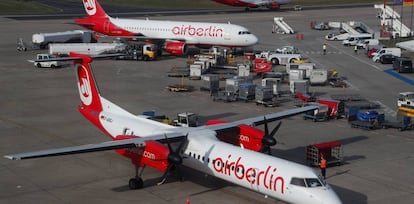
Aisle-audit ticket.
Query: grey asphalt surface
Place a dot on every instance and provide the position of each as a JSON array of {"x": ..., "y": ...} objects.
[{"x": 38, "y": 111}]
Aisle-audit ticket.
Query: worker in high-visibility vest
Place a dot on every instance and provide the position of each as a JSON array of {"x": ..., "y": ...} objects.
[
  {"x": 323, "y": 166},
  {"x": 356, "y": 49},
  {"x": 324, "y": 48}
]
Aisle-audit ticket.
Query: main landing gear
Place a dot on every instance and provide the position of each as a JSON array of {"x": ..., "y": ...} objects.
[{"x": 137, "y": 182}]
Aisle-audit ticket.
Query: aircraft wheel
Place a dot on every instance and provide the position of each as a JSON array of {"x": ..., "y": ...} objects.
[{"x": 135, "y": 183}]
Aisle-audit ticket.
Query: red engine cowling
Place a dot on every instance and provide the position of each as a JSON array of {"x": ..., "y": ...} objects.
[
  {"x": 175, "y": 47},
  {"x": 153, "y": 154},
  {"x": 274, "y": 6},
  {"x": 242, "y": 135}
]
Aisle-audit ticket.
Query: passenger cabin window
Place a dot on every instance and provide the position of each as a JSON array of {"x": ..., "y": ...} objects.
[{"x": 244, "y": 32}]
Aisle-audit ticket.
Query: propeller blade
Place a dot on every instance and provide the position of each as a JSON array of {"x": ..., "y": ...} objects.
[
  {"x": 165, "y": 175},
  {"x": 174, "y": 159},
  {"x": 272, "y": 134},
  {"x": 266, "y": 127}
]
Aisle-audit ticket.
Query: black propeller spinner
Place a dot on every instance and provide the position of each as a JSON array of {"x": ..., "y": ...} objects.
[
  {"x": 269, "y": 140},
  {"x": 174, "y": 158}
]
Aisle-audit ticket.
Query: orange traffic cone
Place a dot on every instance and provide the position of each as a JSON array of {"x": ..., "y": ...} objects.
[{"x": 187, "y": 201}]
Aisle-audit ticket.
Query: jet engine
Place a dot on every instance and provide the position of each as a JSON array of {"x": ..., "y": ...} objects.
[{"x": 175, "y": 47}]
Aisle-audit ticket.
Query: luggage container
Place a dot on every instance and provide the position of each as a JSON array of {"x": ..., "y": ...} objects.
[
  {"x": 264, "y": 96},
  {"x": 320, "y": 114},
  {"x": 295, "y": 75},
  {"x": 273, "y": 83},
  {"x": 301, "y": 86},
  {"x": 318, "y": 77},
  {"x": 331, "y": 151},
  {"x": 336, "y": 108},
  {"x": 210, "y": 83},
  {"x": 307, "y": 67},
  {"x": 247, "y": 91},
  {"x": 195, "y": 72}
]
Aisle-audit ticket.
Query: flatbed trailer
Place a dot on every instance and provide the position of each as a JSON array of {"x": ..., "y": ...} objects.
[
  {"x": 226, "y": 96},
  {"x": 179, "y": 88},
  {"x": 403, "y": 123},
  {"x": 268, "y": 103}
]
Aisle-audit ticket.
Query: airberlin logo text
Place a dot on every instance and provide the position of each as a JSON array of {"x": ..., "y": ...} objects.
[
  {"x": 210, "y": 31},
  {"x": 267, "y": 178}
]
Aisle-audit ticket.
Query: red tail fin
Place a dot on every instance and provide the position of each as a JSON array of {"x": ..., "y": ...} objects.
[
  {"x": 94, "y": 9},
  {"x": 88, "y": 90}
]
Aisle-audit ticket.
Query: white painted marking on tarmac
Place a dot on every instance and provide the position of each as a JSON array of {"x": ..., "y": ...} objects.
[
  {"x": 356, "y": 58},
  {"x": 387, "y": 109}
]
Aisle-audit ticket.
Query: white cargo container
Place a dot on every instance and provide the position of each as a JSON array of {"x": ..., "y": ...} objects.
[
  {"x": 307, "y": 67},
  {"x": 195, "y": 71},
  {"x": 42, "y": 40},
  {"x": 318, "y": 77},
  {"x": 299, "y": 86},
  {"x": 296, "y": 74},
  {"x": 243, "y": 70},
  {"x": 273, "y": 83}
]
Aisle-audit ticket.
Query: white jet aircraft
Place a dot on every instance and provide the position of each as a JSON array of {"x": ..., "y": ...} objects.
[{"x": 173, "y": 36}]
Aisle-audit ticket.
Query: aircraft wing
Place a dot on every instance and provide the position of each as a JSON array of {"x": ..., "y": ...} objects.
[
  {"x": 110, "y": 145},
  {"x": 259, "y": 120}
]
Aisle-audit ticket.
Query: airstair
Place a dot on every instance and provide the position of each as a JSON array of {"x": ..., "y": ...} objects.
[
  {"x": 280, "y": 26},
  {"x": 387, "y": 11},
  {"x": 390, "y": 19},
  {"x": 349, "y": 28}
]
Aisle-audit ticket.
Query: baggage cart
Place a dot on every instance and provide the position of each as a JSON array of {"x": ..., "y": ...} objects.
[
  {"x": 331, "y": 151},
  {"x": 320, "y": 114}
]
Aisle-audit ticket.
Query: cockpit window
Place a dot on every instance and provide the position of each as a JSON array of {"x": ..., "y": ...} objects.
[
  {"x": 298, "y": 182},
  {"x": 313, "y": 182},
  {"x": 307, "y": 182},
  {"x": 244, "y": 32}
]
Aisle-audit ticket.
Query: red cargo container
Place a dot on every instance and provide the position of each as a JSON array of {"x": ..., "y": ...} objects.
[
  {"x": 331, "y": 151},
  {"x": 261, "y": 65}
]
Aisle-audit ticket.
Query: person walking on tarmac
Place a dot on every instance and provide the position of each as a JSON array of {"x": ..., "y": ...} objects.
[
  {"x": 356, "y": 49},
  {"x": 322, "y": 165},
  {"x": 324, "y": 48}
]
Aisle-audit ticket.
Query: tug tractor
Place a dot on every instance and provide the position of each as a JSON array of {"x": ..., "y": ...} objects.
[
  {"x": 406, "y": 100},
  {"x": 186, "y": 119}
]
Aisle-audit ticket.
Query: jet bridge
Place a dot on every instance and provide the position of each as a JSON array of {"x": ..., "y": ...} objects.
[{"x": 280, "y": 26}]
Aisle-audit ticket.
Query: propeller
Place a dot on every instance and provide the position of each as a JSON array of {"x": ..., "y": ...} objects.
[
  {"x": 174, "y": 158},
  {"x": 269, "y": 139}
]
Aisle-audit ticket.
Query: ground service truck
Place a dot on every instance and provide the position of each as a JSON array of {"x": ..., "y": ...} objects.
[
  {"x": 144, "y": 52},
  {"x": 42, "y": 40}
]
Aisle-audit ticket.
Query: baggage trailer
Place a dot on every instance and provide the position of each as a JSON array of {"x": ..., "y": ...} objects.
[
  {"x": 368, "y": 120},
  {"x": 320, "y": 114},
  {"x": 331, "y": 151}
]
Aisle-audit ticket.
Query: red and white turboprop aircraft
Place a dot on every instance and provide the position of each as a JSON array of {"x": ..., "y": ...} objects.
[
  {"x": 270, "y": 4},
  {"x": 173, "y": 36},
  {"x": 227, "y": 150}
]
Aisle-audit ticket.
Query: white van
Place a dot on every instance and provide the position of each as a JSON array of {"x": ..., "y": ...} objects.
[
  {"x": 367, "y": 42},
  {"x": 391, "y": 50},
  {"x": 353, "y": 39}
]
